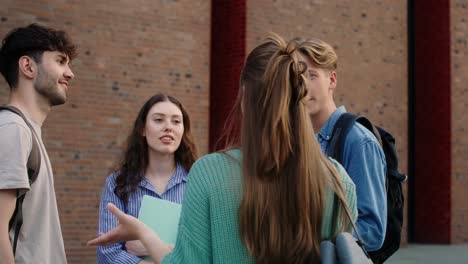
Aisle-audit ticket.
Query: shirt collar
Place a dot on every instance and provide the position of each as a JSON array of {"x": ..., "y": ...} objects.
[
  {"x": 179, "y": 176},
  {"x": 326, "y": 131}
]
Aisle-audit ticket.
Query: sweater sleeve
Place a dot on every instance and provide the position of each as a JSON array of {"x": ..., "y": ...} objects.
[
  {"x": 193, "y": 244},
  {"x": 350, "y": 190}
]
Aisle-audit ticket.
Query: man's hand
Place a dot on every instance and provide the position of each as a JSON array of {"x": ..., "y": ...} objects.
[{"x": 8, "y": 202}]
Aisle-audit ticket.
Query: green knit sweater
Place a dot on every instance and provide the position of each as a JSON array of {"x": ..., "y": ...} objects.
[{"x": 209, "y": 228}]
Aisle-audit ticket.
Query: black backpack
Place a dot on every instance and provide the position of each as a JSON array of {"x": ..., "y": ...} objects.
[
  {"x": 33, "y": 165},
  {"x": 394, "y": 179}
]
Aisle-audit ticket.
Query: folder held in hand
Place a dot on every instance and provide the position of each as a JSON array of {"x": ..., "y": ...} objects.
[{"x": 162, "y": 216}]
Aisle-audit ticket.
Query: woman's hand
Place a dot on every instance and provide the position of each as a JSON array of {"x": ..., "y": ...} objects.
[
  {"x": 129, "y": 228},
  {"x": 135, "y": 247}
]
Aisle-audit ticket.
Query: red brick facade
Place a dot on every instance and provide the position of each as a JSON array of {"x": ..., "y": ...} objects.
[
  {"x": 130, "y": 50},
  {"x": 459, "y": 120}
]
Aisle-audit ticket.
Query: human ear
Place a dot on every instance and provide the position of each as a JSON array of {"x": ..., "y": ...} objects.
[
  {"x": 333, "y": 80},
  {"x": 27, "y": 67}
]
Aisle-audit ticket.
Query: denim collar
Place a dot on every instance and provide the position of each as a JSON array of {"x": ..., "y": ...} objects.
[{"x": 326, "y": 132}]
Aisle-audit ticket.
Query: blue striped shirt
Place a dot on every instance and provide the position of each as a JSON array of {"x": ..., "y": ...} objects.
[{"x": 116, "y": 253}]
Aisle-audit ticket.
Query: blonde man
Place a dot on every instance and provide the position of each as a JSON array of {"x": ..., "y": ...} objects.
[{"x": 363, "y": 157}]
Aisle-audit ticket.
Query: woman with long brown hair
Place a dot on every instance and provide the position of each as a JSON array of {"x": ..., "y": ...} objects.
[
  {"x": 159, "y": 153},
  {"x": 269, "y": 197}
]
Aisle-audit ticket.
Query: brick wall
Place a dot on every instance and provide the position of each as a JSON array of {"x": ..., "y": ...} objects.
[
  {"x": 370, "y": 38},
  {"x": 459, "y": 53},
  {"x": 129, "y": 50}
]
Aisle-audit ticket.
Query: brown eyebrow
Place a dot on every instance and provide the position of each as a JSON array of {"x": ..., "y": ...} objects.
[
  {"x": 62, "y": 57},
  {"x": 161, "y": 114}
]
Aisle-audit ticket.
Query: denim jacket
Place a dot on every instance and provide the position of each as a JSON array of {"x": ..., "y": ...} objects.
[{"x": 364, "y": 160}]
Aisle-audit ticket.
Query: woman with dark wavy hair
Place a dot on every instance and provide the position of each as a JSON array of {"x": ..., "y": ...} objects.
[
  {"x": 159, "y": 153},
  {"x": 269, "y": 197}
]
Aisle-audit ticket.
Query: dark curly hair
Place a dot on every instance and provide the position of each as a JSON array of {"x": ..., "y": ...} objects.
[
  {"x": 134, "y": 161},
  {"x": 31, "y": 41}
]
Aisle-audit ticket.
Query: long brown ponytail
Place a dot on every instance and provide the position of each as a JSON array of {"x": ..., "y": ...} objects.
[{"x": 285, "y": 174}]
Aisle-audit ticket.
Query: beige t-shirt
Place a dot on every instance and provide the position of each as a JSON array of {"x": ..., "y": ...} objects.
[{"x": 40, "y": 239}]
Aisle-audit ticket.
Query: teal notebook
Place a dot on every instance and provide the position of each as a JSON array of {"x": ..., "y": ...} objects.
[{"x": 162, "y": 216}]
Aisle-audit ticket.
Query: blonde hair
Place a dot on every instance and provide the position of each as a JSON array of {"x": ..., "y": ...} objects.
[{"x": 319, "y": 52}]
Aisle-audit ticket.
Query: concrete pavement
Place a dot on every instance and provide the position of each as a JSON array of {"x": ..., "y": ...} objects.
[{"x": 430, "y": 254}]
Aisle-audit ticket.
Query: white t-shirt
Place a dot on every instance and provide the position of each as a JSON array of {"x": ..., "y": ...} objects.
[{"x": 40, "y": 239}]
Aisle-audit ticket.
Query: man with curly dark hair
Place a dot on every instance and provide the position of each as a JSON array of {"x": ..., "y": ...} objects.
[{"x": 35, "y": 63}]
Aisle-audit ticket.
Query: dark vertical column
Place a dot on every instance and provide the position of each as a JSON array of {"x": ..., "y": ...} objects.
[
  {"x": 228, "y": 44},
  {"x": 411, "y": 125},
  {"x": 431, "y": 84}
]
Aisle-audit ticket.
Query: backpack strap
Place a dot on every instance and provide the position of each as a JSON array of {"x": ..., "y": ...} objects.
[
  {"x": 340, "y": 131},
  {"x": 33, "y": 165}
]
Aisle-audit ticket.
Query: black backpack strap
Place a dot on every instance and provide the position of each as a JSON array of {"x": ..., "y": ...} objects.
[
  {"x": 34, "y": 159},
  {"x": 16, "y": 220},
  {"x": 33, "y": 165},
  {"x": 340, "y": 131},
  {"x": 367, "y": 124}
]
